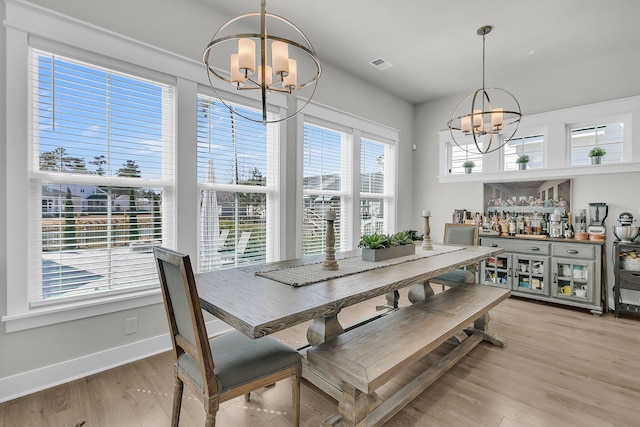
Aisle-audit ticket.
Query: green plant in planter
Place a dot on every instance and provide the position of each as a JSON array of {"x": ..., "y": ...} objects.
[
  {"x": 597, "y": 152},
  {"x": 413, "y": 235},
  {"x": 378, "y": 241},
  {"x": 469, "y": 164},
  {"x": 374, "y": 241},
  {"x": 523, "y": 158}
]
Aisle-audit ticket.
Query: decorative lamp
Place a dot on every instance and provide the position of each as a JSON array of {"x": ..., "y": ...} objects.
[
  {"x": 286, "y": 62},
  {"x": 490, "y": 115}
]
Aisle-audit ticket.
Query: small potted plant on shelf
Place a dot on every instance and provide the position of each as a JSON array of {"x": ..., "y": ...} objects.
[
  {"x": 468, "y": 166},
  {"x": 596, "y": 155},
  {"x": 522, "y": 161},
  {"x": 378, "y": 247}
]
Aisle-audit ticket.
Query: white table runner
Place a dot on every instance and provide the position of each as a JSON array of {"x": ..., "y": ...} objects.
[{"x": 307, "y": 274}]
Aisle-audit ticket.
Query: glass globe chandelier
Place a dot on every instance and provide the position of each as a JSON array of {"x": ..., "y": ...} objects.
[
  {"x": 490, "y": 115},
  {"x": 285, "y": 63}
]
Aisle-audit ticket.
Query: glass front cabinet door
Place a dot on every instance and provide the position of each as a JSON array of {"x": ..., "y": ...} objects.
[
  {"x": 496, "y": 271},
  {"x": 573, "y": 279},
  {"x": 530, "y": 274}
]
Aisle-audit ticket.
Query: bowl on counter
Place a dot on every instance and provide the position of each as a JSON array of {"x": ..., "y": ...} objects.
[
  {"x": 626, "y": 233},
  {"x": 581, "y": 236}
]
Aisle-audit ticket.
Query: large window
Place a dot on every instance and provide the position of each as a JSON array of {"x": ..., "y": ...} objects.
[
  {"x": 610, "y": 137},
  {"x": 101, "y": 175},
  {"x": 237, "y": 177},
  {"x": 326, "y": 176},
  {"x": 376, "y": 166}
]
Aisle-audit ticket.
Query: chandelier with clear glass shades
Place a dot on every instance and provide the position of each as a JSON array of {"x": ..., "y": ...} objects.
[
  {"x": 278, "y": 59},
  {"x": 490, "y": 115}
]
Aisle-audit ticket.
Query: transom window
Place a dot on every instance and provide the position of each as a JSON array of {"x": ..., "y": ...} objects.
[
  {"x": 531, "y": 146},
  {"x": 458, "y": 156},
  {"x": 610, "y": 137}
]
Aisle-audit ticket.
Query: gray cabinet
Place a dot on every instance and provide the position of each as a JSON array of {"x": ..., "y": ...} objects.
[{"x": 562, "y": 271}]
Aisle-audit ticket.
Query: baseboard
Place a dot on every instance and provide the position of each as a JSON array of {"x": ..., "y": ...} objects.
[{"x": 45, "y": 377}]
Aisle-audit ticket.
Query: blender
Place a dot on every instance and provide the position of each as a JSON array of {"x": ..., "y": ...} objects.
[{"x": 597, "y": 214}]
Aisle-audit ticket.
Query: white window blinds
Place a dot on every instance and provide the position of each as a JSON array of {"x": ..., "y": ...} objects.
[
  {"x": 326, "y": 174},
  {"x": 375, "y": 165},
  {"x": 237, "y": 177},
  {"x": 101, "y": 193}
]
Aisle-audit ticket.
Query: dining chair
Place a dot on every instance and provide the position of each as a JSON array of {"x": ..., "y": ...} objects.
[
  {"x": 223, "y": 367},
  {"x": 454, "y": 234}
]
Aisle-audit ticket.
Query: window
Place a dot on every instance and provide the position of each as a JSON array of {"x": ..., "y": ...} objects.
[
  {"x": 532, "y": 146},
  {"x": 458, "y": 156},
  {"x": 607, "y": 136},
  {"x": 101, "y": 178},
  {"x": 237, "y": 177},
  {"x": 326, "y": 174},
  {"x": 376, "y": 164}
]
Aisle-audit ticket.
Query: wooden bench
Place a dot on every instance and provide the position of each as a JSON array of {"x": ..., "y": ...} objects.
[{"x": 365, "y": 358}]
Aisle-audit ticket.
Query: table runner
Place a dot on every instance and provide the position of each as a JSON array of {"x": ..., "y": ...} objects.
[{"x": 307, "y": 274}]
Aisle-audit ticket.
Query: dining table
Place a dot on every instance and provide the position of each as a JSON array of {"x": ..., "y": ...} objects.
[{"x": 254, "y": 301}]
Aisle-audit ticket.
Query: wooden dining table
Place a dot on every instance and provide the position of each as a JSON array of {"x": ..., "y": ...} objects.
[{"x": 259, "y": 306}]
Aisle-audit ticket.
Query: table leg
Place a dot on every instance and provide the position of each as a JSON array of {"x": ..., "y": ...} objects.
[
  {"x": 420, "y": 291},
  {"x": 323, "y": 329}
]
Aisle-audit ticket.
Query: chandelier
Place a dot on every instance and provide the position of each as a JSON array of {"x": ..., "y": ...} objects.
[
  {"x": 490, "y": 115},
  {"x": 285, "y": 63}
]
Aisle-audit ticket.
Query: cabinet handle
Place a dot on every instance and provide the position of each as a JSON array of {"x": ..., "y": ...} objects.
[
  {"x": 493, "y": 245},
  {"x": 534, "y": 249},
  {"x": 572, "y": 251},
  {"x": 635, "y": 274}
]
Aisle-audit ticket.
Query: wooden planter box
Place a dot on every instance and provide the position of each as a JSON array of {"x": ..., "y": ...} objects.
[{"x": 387, "y": 253}]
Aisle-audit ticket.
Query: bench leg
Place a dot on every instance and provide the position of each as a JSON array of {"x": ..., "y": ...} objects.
[
  {"x": 481, "y": 326},
  {"x": 323, "y": 329},
  {"x": 355, "y": 405},
  {"x": 420, "y": 292}
]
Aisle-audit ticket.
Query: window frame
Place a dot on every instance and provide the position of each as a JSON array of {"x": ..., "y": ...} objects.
[{"x": 357, "y": 128}]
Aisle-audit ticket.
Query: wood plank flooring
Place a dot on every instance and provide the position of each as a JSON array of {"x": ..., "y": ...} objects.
[{"x": 561, "y": 367}]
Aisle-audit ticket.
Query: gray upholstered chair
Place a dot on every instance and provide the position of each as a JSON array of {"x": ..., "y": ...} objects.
[
  {"x": 226, "y": 366},
  {"x": 454, "y": 234}
]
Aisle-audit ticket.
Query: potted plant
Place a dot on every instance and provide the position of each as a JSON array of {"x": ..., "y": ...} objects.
[
  {"x": 413, "y": 235},
  {"x": 522, "y": 161},
  {"x": 596, "y": 155},
  {"x": 468, "y": 166},
  {"x": 378, "y": 247}
]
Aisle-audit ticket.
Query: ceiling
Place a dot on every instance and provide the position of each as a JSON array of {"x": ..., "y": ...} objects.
[{"x": 433, "y": 44}]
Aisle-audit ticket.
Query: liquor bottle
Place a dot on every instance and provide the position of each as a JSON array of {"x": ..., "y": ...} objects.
[
  {"x": 569, "y": 232},
  {"x": 512, "y": 226},
  {"x": 543, "y": 225}
]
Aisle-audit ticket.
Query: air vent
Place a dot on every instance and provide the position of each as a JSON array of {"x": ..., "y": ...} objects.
[{"x": 381, "y": 64}]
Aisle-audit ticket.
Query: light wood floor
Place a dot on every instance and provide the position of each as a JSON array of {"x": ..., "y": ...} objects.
[{"x": 561, "y": 367}]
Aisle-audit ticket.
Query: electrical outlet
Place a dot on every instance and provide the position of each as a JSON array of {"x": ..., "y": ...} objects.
[{"x": 131, "y": 325}]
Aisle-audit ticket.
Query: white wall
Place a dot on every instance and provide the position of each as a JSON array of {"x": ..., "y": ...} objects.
[{"x": 56, "y": 353}]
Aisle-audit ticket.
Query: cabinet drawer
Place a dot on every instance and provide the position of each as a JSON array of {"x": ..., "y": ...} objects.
[
  {"x": 573, "y": 251},
  {"x": 630, "y": 280},
  {"x": 519, "y": 246}
]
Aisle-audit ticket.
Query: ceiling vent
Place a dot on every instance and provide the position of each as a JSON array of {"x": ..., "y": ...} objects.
[{"x": 381, "y": 64}]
